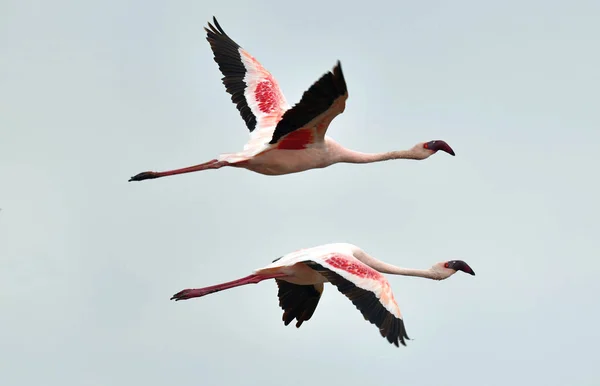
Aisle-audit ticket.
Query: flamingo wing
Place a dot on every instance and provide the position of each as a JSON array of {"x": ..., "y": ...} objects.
[
  {"x": 368, "y": 290},
  {"x": 253, "y": 89},
  {"x": 306, "y": 123},
  {"x": 298, "y": 301}
]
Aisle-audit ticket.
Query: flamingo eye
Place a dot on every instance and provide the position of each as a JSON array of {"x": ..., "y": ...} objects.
[
  {"x": 445, "y": 265},
  {"x": 429, "y": 144}
]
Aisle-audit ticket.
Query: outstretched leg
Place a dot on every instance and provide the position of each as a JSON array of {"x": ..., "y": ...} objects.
[
  {"x": 198, "y": 292},
  {"x": 212, "y": 164}
]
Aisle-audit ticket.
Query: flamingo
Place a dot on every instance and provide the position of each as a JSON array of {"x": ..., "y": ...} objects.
[
  {"x": 300, "y": 276},
  {"x": 285, "y": 139}
]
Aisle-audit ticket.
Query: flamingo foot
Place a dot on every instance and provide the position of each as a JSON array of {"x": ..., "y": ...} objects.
[
  {"x": 144, "y": 176},
  {"x": 212, "y": 164},
  {"x": 189, "y": 294}
]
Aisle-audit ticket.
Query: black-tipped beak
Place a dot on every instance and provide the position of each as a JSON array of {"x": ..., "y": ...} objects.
[
  {"x": 440, "y": 145},
  {"x": 459, "y": 265}
]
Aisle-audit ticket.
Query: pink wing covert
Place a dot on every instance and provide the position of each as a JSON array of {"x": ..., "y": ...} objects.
[
  {"x": 263, "y": 95},
  {"x": 364, "y": 277}
]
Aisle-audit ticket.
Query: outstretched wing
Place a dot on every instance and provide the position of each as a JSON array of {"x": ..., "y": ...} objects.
[
  {"x": 368, "y": 290},
  {"x": 254, "y": 91},
  {"x": 307, "y": 122},
  {"x": 298, "y": 301}
]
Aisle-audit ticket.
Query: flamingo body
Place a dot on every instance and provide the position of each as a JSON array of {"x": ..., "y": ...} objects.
[
  {"x": 300, "y": 276},
  {"x": 284, "y": 139},
  {"x": 277, "y": 161}
]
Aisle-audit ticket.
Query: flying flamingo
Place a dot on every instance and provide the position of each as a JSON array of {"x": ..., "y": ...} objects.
[
  {"x": 285, "y": 139},
  {"x": 300, "y": 276}
]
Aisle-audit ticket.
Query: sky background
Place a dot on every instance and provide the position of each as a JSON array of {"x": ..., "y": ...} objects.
[{"x": 94, "y": 92}]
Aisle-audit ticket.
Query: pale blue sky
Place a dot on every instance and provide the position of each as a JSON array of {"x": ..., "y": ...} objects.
[{"x": 94, "y": 92}]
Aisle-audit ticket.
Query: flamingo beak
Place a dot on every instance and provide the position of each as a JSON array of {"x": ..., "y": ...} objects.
[
  {"x": 439, "y": 145},
  {"x": 459, "y": 265}
]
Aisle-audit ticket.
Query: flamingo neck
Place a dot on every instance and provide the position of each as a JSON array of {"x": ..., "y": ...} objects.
[
  {"x": 382, "y": 267},
  {"x": 356, "y": 157},
  {"x": 426, "y": 273}
]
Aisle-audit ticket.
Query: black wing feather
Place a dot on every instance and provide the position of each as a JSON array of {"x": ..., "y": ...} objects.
[
  {"x": 227, "y": 55},
  {"x": 314, "y": 102},
  {"x": 297, "y": 301}
]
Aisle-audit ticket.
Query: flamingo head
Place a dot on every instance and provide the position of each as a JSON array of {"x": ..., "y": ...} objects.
[
  {"x": 446, "y": 269},
  {"x": 433, "y": 146}
]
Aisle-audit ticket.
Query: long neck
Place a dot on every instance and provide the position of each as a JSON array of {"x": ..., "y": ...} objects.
[
  {"x": 394, "y": 270},
  {"x": 356, "y": 157}
]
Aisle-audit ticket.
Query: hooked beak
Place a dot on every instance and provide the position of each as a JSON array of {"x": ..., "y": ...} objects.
[
  {"x": 440, "y": 145},
  {"x": 459, "y": 265}
]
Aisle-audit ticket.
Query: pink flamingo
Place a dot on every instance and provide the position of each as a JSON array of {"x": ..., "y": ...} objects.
[
  {"x": 300, "y": 276},
  {"x": 285, "y": 139}
]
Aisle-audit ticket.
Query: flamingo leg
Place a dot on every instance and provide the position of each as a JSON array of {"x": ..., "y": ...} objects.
[
  {"x": 198, "y": 292},
  {"x": 212, "y": 164}
]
